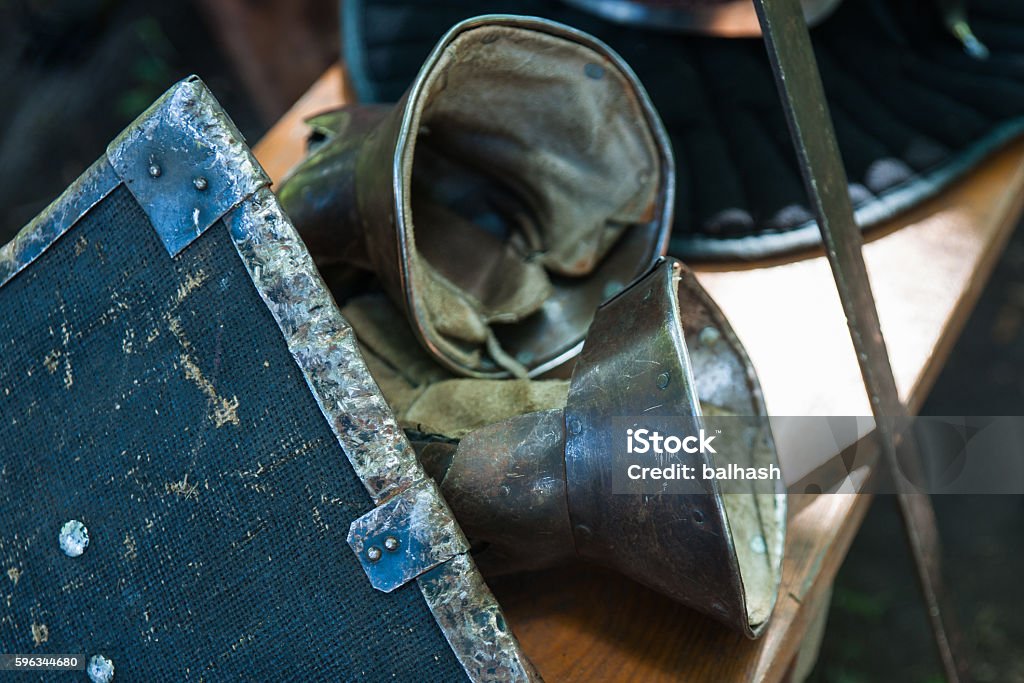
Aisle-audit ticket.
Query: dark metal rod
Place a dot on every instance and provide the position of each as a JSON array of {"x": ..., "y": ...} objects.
[{"x": 796, "y": 74}]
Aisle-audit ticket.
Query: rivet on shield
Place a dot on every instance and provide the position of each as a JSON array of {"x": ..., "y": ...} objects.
[
  {"x": 100, "y": 669},
  {"x": 74, "y": 538}
]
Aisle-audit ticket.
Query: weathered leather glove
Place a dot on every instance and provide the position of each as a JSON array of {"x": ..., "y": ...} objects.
[{"x": 522, "y": 179}]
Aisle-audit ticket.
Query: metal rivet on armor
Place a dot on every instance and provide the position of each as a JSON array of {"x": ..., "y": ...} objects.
[
  {"x": 201, "y": 183},
  {"x": 663, "y": 380},
  {"x": 74, "y": 538},
  {"x": 100, "y": 669},
  {"x": 595, "y": 71},
  {"x": 574, "y": 426},
  {"x": 155, "y": 170},
  {"x": 373, "y": 553},
  {"x": 698, "y": 516},
  {"x": 709, "y": 336},
  {"x": 584, "y": 531},
  {"x": 391, "y": 544}
]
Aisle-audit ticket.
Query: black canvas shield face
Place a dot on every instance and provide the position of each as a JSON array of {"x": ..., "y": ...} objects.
[{"x": 198, "y": 478}]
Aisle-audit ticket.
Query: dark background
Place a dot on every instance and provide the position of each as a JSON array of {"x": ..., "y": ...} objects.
[{"x": 73, "y": 73}]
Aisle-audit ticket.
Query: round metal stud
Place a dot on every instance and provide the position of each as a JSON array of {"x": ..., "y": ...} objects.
[
  {"x": 373, "y": 553},
  {"x": 100, "y": 669},
  {"x": 200, "y": 183},
  {"x": 574, "y": 426},
  {"x": 74, "y": 538},
  {"x": 391, "y": 544},
  {"x": 663, "y": 380},
  {"x": 155, "y": 171}
]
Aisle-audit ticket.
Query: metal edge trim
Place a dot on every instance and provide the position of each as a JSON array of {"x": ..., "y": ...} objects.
[
  {"x": 729, "y": 539},
  {"x": 684, "y": 273},
  {"x": 473, "y": 623},
  {"x": 324, "y": 347},
  {"x": 98, "y": 181},
  {"x": 761, "y": 408}
]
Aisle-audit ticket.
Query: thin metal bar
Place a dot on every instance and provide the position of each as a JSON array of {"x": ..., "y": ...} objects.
[{"x": 796, "y": 74}]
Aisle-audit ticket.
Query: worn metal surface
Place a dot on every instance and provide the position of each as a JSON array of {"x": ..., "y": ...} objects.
[
  {"x": 411, "y": 533},
  {"x": 324, "y": 347},
  {"x": 799, "y": 83},
  {"x": 186, "y": 163},
  {"x": 352, "y": 200},
  {"x": 90, "y": 188},
  {"x": 537, "y": 490},
  {"x": 506, "y": 484},
  {"x": 617, "y": 530},
  {"x": 474, "y": 624}
]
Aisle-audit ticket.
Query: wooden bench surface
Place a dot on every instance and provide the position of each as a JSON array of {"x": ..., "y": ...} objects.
[{"x": 927, "y": 269}]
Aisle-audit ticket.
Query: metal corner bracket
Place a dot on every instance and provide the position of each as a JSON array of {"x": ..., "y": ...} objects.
[
  {"x": 405, "y": 537},
  {"x": 186, "y": 163}
]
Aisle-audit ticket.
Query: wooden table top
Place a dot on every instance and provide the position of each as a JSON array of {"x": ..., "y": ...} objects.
[{"x": 927, "y": 269}]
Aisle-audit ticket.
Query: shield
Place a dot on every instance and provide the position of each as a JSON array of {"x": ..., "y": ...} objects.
[{"x": 199, "y": 480}]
